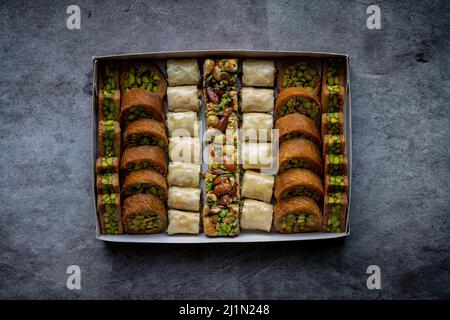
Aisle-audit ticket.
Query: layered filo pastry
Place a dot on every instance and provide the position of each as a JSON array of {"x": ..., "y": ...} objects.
[
  {"x": 185, "y": 149},
  {"x": 334, "y": 144},
  {"x": 257, "y": 186},
  {"x": 106, "y": 165},
  {"x": 336, "y": 165},
  {"x": 296, "y": 215},
  {"x": 184, "y": 198},
  {"x": 185, "y": 124},
  {"x": 333, "y": 88},
  {"x": 221, "y": 221},
  {"x": 256, "y": 215},
  {"x": 184, "y": 174},
  {"x": 182, "y": 72},
  {"x": 335, "y": 212},
  {"x": 336, "y": 184},
  {"x": 109, "y": 93},
  {"x": 332, "y": 123},
  {"x": 183, "y": 222},
  {"x": 298, "y": 182},
  {"x": 258, "y": 73},
  {"x": 220, "y": 73},
  {"x": 301, "y": 73},
  {"x": 144, "y": 214},
  {"x": 145, "y": 132},
  {"x": 257, "y": 127},
  {"x": 300, "y": 153},
  {"x": 143, "y": 157},
  {"x": 257, "y": 155},
  {"x": 107, "y": 183},
  {"x": 297, "y": 100},
  {"x": 221, "y": 188},
  {"x": 109, "y": 213},
  {"x": 108, "y": 138},
  {"x": 257, "y": 100},
  {"x": 296, "y": 125},
  {"x": 184, "y": 98},
  {"x": 145, "y": 181}
]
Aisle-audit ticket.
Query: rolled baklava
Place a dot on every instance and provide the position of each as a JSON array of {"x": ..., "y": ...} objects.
[
  {"x": 145, "y": 181},
  {"x": 334, "y": 144},
  {"x": 258, "y": 73},
  {"x": 296, "y": 125},
  {"x": 256, "y": 215},
  {"x": 108, "y": 183},
  {"x": 332, "y": 123},
  {"x": 145, "y": 132},
  {"x": 108, "y": 138},
  {"x": 184, "y": 198},
  {"x": 144, "y": 214},
  {"x": 257, "y": 155},
  {"x": 184, "y": 98},
  {"x": 220, "y": 73},
  {"x": 335, "y": 212},
  {"x": 185, "y": 124},
  {"x": 257, "y": 127},
  {"x": 182, "y": 72},
  {"x": 300, "y": 153},
  {"x": 145, "y": 76},
  {"x": 300, "y": 73},
  {"x": 257, "y": 186},
  {"x": 335, "y": 165},
  {"x": 298, "y": 182},
  {"x": 183, "y": 222},
  {"x": 257, "y": 100},
  {"x": 107, "y": 165},
  {"x": 144, "y": 157},
  {"x": 297, "y": 100},
  {"x": 336, "y": 184},
  {"x": 185, "y": 149},
  {"x": 221, "y": 189},
  {"x": 109, "y": 213},
  {"x": 295, "y": 215},
  {"x": 333, "y": 85},
  {"x": 221, "y": 221},
  {"x": 108, "y": 93},
  {"x": 138, "y": 104},
  {"x": 184, "y": 174}
]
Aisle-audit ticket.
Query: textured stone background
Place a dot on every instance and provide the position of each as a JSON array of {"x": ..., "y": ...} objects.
[{"x": 400, "y": 210}]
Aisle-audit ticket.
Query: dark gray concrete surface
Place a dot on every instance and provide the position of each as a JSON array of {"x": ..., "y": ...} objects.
[{"x": 400, "y": 209}]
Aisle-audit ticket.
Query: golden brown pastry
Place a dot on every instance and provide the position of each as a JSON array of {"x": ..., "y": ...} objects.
[
  {"x": 145, "y": 132},
  {"x": 296, "y": 125},
  {"x": 108, "y": 138},
  {"x": 294, "y": 215},
  {"x": 107, "y": 183},
  {"x": 334, "y": 144},
  {"x": 336, "y": 184},
  {"x": 300, "y": 153},
  {"x": 145, "y": 181},
  {"x": 336, "y": 164},
  {"x": 298, "y": 182},
  {"x": 108, "y": 93},
  {"x": 300, "y": 73},
  {"x": 335, "y": 212},
  {"x": 139, "y": 103},
  {"x": 332, "y": 123},
  {"x": 109, "y": 213},
  {"x": 143, "y": 75},
  {"x": 106, "y": 165},
  {"x": 298, "y": 100},
  {"x": 144, "y": 213},
  {"x": 333, "y": 85},
  {"x": 144, "y": 157}
]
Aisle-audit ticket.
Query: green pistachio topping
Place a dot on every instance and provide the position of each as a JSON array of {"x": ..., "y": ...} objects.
[
  {"x": 337, "y": 183},
  {"x": 302, "y": 75},
  {"x": 144, "y": 188},
  {"x": 142, "y": 77},
  {"x": 301, "y": 191},
  {"x": 332, "y": 124},
  {"x": 336, "y": 165},
  {"x": 301, "y": 105},
  {"x": 141, "y": 165},
  {"x": 144, "y": 222},
  {"x": 137, "y": 113},
  {"x": 335, "y": 145},
  {"x": 144, "y": 140},
  {"x": 298, "y": 222},
  {"x": 109, "y": 85}
]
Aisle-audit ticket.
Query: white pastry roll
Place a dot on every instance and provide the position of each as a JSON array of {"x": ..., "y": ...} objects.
[
  {"x": 257, "y": 186},
  {"x": 184, "y": 198},
  {"x": 183, "y": 222},
  {"x": 184, "y": 174},
  {"x": 185, "y": 149},
  {"x": 256, "y": 215},
  {"x": 182, "y": 72},
  {"x": 256, "y": 155},
  {"x": 183, "y": 124},
  {"x": 258, "y": 73},
  {"x": 256, "y": 100},
  {"x": 184, "y": 98},
  {"x": 257, "y": 126}
]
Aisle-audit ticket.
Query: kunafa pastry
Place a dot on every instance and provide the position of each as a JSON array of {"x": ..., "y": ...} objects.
[
  {"x": 145, "y": 132},
  {"x": 332, "y": 123},
  {"x": 256, "y": 215},
  {"x": 184, "y": 124},
  {"x": 143, "y": 214},
  {"x": 334, "y": 144},
  {"x": 221, "y": 188},
  {"x": 143, "y": 157},
  {"x": 106, "y": 165},
  {"x": 298, "y": 182},
  {"x": 295, "y": 215},
  {"x": 336, "y": 184},
  {"x": 257, "y": 100},
  {"x": 109, "y": 213},
  {"x": 108, "y": 138},
  {"x": 184, "y": 98},
  {"x": 183, "y": 222},
  {"x": 108, "y": 183},
  {"x": 257, "y": 127},
  {"x": 298, "y": 100},
  {"x": 143, "y": 75},
  {"x": 220, "y": 73},
  {"x": 184, "y": 198},
  {"x": 139, "y": 103},
  {"x": 258, "y": 73},
  {"x": 296, "y": 125},
  {"x": 184, "y": 174},
  {"x": 109, "y": 93},
  {"x": 182, "y": 72},
  {"x": 335, "y": 165},
  {"x": 335, "y": 212},
  {"x": 257, "y": 186},
  {"x": 333, "y": 85},
  {"x": 300, "y": 153},
  {"x": 145, "y": 181},
  {"x": 300, "y": 73},
  {"x": 185, "y": 149},
  {"x": 257, "y": 155},
  {"x": 221, "y": 221}
]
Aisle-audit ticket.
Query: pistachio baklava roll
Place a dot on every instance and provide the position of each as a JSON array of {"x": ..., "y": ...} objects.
[
  {"x": 257, "y": 155},
  {"x": 257, "y": 186},
  {"x": 298, "y": 182},
  {"x": 257, "y": 100},
  {"x": 300, "y": 153},
  {"x": 145, "y": 181},
  {"x": 335, "y": 212},
  {"x": 296, "y": 125},
  {"x": 185, "y": 149},
  {"x": 221, "y": 109},
  {"x": 144, "y": 76},
  {"x": 333, "y": 85},
  {"x": 144, "y": 157},
  {"x": 184, "y": 98},
  {"x": 257, "y": 127},
  {"x": 220, "y": 73},
  {"x": 336, "y": 165},
  {"x": 295, "y": 215},
  {"x": 183, "y": 222},
  {"x": 108, "y": 138},
  {"x": 184, "y": 174},
  {"x": 138, "y": 104},
  {"x": 221, "y": 221},
  {"x": 108, "y": 183},
  {"x": 221, "y": 188},
  {"x": 298, "y": 100},
  {"x": 258, "y": 73},
  {"x": 109, "y": 213},
  {"x": 334, "y": 144},
  {"x": 300, "y": 73},
  {"x": 108, "y": 93},
  {"x": 145, "y": 132},
  {"x": 336, "y": 184},
  {"x": 332, "y": 123},
  {"x": 144, "y": 214},
  {"x": 184, "y": 198},
  {"x": 107, "y": 165},
  {"x": 182, "y": 72},
  {"x": 185, "y": 124},
  {"x": 256, "y": 215}
]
